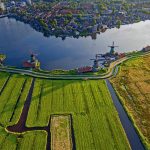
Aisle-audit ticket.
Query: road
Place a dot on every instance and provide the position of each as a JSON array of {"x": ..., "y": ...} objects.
[{"x": 110, "y": 72}]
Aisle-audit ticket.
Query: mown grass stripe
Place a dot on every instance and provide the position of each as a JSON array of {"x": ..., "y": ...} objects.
[
  {"x": 18, "y": 100},
  {"x": 10, "y": 102},
  {"x": 4, "y": 84},
  {"x": 40, "y": 99}
]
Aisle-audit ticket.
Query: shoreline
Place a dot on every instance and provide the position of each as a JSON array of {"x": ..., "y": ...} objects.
[
  {"x": 50, "y": 32},
  {"x": 111, "y": 71},
  {"x": 73, "y": 71}
]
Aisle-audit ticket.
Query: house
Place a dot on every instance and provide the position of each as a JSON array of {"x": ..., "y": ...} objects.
[
  {"x": 85, "y": 69},
  {"x": 87, "y": 6},
  {"x": 32, "y": 63},
  {"x": 28, "y": 64},
  {"x": 121, "y": 55},
  {"x": 146, "y": 49},
  {"x": 65, "y": 11}
]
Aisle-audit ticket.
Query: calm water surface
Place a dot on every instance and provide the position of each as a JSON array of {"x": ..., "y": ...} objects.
[{"x": 18, "y": 39}]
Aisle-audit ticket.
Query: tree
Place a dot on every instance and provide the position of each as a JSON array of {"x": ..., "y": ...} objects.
[
  {"x": 119, "y": 23},
  {"x": 43, "y": 24}
]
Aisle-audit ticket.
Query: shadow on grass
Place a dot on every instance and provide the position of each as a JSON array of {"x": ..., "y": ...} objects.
[{"x": 20, "y": 126}]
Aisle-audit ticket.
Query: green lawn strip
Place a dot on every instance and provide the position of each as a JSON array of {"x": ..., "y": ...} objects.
[
  {"x": 33, "y": 140},
  {"x": 9, "y": 98},
  {"x": 3, "y": 79},
  {"x": 78, "y": 97},
  {"x": 3, "y": 136},
  {"x": 21, "y": 102},
  {"x": 113, "y": 124},
  {"x": 96, "y": 120},
  {"x": 68, "y": 92},
  {"x": 58, "y": 96},
  {"x": 39, "y": 111},
  {"x": 99, "y": 125},
  {"x": 83, "y": 132},
  {"x": 45, "y": 104},
  {"x": 32, "y": 114},
  {"x": 7, "y": 141}
]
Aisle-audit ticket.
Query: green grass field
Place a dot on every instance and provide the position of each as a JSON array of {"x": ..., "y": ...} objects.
[
  {"x": 96, "y": 124},
  {"x": 31, "y": 140}
]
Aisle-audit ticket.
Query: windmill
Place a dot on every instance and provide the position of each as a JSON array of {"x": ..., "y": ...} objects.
[
  {"x": 1, "y": 61},
  {"x": 33, "y": 62},
  {"x": 2, "y": 58},
  {"x": 33, "y": 56},
  {"x": 98, "y": 57},
  {"x": 112, "y": 48}
]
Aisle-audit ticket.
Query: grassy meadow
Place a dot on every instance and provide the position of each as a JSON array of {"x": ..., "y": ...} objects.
[
  {"x": 95, "y": 121},
  {"x": 133, "y": 87}
]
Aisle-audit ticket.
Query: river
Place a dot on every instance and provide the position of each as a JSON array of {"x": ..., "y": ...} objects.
[
  {"x": 129, "y": 129},
  {"x": 18, "y": 39}
]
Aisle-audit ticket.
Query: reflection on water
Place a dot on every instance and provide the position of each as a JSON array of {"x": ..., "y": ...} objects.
[{"x": 17, "y": 39}]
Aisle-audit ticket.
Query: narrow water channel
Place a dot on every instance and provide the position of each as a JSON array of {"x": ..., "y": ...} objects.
[{"x": 129, "y": 129}]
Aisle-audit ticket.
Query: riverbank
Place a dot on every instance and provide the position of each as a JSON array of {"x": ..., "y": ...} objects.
[
  {"x": 101, "y": 71},
  {"x": 64, "y": 32},
  {"x": 112, "y": 70},
  {"x": 132, "y": 88},
  {"x": 108, "y": 74},
  {"x": 132, "y": 135}
]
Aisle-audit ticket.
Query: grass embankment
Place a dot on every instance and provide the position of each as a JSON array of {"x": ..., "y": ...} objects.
[
  {"x": 12, "y": 98},
  {"x": 95, "y": 120},
  {"x": 58, "y": 72},
  {"x": 132, "y": 85},
  {"x": 71, "y": 72}
]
